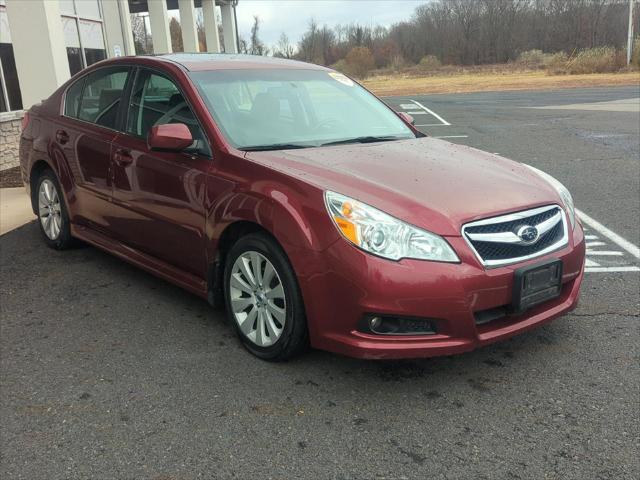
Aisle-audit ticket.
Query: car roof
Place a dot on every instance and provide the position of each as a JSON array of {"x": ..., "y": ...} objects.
[{"x": 196, "y": 62}]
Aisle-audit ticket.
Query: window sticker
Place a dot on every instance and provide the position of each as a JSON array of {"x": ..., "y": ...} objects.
[{"x": 343, "y": 79}]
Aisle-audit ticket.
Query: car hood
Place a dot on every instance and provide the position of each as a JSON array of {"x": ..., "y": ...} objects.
[{"x": 427, "y": 182}]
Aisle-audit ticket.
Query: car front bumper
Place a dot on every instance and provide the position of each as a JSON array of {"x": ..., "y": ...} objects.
[{"x": 343, "y": 284}]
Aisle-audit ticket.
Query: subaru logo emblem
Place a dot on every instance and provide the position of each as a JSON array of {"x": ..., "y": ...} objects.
[{"x": 527, "y": 234}]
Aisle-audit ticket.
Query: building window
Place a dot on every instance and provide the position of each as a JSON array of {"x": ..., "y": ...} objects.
[
  {"x": 84, "y": 37},
  {"x": 10, "y": 97}
]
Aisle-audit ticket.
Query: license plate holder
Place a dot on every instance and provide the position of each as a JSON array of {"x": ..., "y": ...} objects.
[{"x": 536, "y": 284}]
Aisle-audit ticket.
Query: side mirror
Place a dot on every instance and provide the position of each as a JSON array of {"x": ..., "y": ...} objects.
[
  {"x": 407, "y": 118},
  {"x": 170, "y": 137}
]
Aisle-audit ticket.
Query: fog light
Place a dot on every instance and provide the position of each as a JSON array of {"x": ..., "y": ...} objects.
[
  {"x": 389, "y": 325},
  {"x": 375, "y": 323}
]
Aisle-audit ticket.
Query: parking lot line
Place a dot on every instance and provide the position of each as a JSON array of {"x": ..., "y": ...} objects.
[
  {"x": 614, "y": 237},
  {"x": 605, "y": 253},
  {"x": 438, "y": 117},
  {"x": 611, "y": 269},
  {"x": 595, "y": 244}
]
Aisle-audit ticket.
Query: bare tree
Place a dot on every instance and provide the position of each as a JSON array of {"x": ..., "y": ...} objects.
[
  {"x": 175, "y": 32},
  {"x": 284, "y": 49},
  {"x": 308, "y": 46},
  {"x": 141, "y": 39},
  {"x": 202, "y": 37},
  {"x": 256, "y": 47},
  {"x": 243, "y": 46}
]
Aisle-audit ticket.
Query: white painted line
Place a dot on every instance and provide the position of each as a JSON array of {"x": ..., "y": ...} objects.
[
  {"x": 595, "y": 244},
  {"x": 407, "y": 106},
  {"x": 590, "y": 263},
  {"x": 444, "y": 122},
  {"x": 605, "y": 253},
  {"x": 431, "y": 125},
  {"x": 612, "y": 269},
  {"x": 622, "y": 105},
  {"x": 590, "y": 237},
  {"x": 614, "y": 237},
  {"x": 453, "y": 136},
  {"x": 415, "y": 112}
]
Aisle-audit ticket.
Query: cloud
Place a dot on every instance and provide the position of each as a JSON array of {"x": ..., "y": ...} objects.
[{"x": 292, "y": 16}]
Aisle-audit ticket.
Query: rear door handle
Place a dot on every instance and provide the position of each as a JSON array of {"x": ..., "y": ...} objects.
[
  {"x": 123, "y": 157},
  {"x": 62, "y": 137}
]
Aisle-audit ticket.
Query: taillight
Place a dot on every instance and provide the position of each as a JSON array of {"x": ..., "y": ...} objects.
[{"x": 25, "y": 121}]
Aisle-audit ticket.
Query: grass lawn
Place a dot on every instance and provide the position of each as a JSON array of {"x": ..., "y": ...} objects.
[{"x": 486, "y": 81}]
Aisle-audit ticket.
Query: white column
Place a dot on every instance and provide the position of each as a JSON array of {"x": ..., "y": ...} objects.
[
  {"x": 630, "y": 33},
  {"x": 229, "y": 28},
  {"x": 117, "y": 28},
  {"x": 210, "y": 17},
  {"x": 188, "y": 25},
  {"x": 159, "y": 20},
  {"x": 127, "y": 31},
  {"x": 39, "y": 48}
]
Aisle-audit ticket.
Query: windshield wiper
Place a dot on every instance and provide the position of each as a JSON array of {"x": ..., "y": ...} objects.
[
  {"x": 274, "y": 146},
  {"x": 290, "y": 146},
  {"x": 368, "y": 139}
]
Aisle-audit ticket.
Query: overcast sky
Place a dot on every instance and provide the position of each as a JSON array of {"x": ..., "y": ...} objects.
[{"x": 292, "y": 16}]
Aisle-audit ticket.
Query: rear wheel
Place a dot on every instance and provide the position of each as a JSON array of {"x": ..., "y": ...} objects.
[
  {"x": 53, "y": 217},
  {"x": 263, "y": 299}
]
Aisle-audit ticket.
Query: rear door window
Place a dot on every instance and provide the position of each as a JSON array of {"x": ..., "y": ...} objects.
[{"x": 102, "y": 95}]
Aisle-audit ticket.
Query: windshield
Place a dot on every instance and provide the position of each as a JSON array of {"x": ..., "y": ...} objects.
[{"x": 287, "y": 108}]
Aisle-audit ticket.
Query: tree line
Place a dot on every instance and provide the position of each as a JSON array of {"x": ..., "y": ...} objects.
[{"x": 466, "y": 32}]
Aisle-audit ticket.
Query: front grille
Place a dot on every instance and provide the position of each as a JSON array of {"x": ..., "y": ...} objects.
[
  {"x": 513, "y": 224},
  {"x": 501, "y": 251},
  {"x": 496, "y": 240}
]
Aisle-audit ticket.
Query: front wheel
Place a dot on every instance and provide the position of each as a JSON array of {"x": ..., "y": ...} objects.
[{"x": 263, "y": 299}]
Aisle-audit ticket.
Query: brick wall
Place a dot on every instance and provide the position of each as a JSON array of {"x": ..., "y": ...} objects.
[{"x": 10, "y": 124}]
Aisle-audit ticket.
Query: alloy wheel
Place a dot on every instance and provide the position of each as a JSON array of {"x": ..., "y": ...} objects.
[
  {"x": 258, "y": 298},
  {"x": 49, "y": 209}
]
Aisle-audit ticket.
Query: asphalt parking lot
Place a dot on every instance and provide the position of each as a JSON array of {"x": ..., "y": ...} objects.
[{"x": 110, "y": 373}]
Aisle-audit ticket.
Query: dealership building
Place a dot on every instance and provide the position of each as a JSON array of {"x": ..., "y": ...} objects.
[{"x": 45, "y": 42}]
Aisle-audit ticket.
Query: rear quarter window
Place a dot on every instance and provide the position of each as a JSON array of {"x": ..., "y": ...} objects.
[{"x": 72, "y": 99}]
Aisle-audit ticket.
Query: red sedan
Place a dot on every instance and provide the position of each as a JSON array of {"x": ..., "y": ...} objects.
[{"x": 311, "y": 210}]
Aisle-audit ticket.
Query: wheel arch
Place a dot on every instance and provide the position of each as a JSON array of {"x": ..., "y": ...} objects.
[
  {"x": 37, "y": 168},
  {"x": 233, "y": 232}
]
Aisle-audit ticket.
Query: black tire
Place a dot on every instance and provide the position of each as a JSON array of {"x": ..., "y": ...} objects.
[
  {"x": 63, "y": 240},
  {"x": 294, "y": 338}
]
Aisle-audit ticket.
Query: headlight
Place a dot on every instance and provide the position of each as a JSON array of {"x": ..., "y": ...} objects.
[
  {"x": 381, "y": 234},
  {"x": 566, "y": 197}
]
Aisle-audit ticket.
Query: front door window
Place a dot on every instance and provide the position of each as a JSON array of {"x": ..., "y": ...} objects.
[{"x": 156, "y": 100}]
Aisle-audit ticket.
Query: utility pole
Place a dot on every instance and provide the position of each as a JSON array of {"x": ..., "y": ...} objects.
[{"x": 630, "y": 38}]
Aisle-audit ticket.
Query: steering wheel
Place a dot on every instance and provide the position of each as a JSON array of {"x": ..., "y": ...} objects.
[{"x": 168, "y": 115}]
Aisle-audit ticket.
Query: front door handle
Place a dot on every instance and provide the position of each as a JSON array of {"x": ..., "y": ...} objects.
[
  {"x": 123, "y": 157},
  {"x": 62, "y": 137}
]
